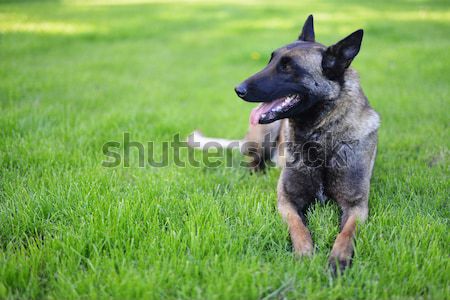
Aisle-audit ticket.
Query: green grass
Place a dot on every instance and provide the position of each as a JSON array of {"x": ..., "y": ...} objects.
[{"x": 76, "y": 75}]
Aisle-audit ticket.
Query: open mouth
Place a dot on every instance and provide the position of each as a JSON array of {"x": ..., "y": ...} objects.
[{"x": 268, "y": 112}]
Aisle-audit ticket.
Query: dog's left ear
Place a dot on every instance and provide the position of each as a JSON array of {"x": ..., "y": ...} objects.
[
  {"x": 307, "y": 33},
  {"x": 338, "y": 57}
]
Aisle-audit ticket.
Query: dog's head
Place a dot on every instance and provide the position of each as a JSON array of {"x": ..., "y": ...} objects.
[{"x": 299, "y": 75}]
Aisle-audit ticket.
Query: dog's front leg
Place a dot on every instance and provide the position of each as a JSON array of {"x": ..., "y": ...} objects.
[
  {"x": 300, "y": 236},
  {"x": 342, "y": 252}
]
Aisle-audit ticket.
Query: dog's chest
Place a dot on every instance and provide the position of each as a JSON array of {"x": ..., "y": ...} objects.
[
  {"x": 308, "y": 149},
  {"x": 320, "y": 194}
]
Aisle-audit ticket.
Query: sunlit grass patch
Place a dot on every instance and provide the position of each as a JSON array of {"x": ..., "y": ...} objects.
[{"x": 45, "y": 27}]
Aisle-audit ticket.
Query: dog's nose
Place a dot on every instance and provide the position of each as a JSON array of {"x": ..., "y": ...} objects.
[{"x": 241, "y": 90}]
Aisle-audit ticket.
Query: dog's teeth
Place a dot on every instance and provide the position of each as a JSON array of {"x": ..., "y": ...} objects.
[
  {"x": 290, "y": 98},
  {"x": 286, "y": 103}
]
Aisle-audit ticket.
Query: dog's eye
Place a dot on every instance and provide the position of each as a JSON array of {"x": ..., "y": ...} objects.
[{"x": 284, "y": 62}]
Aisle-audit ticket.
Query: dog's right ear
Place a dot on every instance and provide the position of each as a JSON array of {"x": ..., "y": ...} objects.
[
  {"x": 339, "y": 56},
  {"x": 307, "y": 33}
]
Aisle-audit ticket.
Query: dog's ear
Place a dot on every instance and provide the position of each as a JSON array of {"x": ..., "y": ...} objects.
[
  {"x": 307, "y": 33},
  {"x": 338, "y": 57}
]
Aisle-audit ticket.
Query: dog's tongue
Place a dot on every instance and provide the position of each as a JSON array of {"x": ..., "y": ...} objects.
[{"x": 263, "y": 108}]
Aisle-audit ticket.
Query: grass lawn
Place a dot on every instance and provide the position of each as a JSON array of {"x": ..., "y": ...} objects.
[{"x": 75, "y": 75}]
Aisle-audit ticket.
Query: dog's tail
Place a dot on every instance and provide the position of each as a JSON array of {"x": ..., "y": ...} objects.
[{"x": 197, "y": 140}]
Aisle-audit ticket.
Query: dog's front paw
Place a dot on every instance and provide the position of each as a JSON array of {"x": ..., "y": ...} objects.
[
  {"x": 306, "y": 252},
  {"x": 305, "y": 248},
  {"x": 338, "y": 263}
]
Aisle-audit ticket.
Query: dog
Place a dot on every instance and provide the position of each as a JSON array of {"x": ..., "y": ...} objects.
[{"x": 325, "y": 133}]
